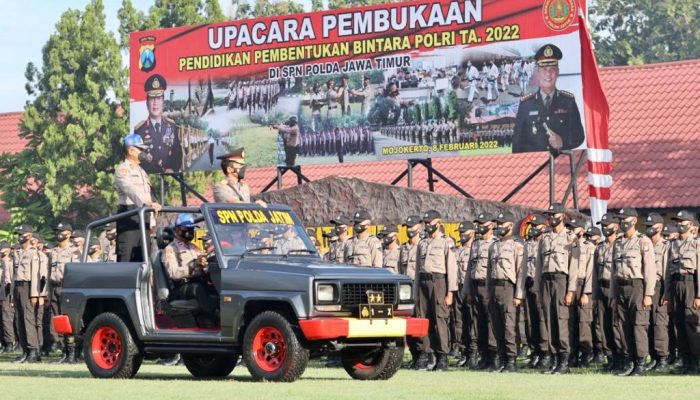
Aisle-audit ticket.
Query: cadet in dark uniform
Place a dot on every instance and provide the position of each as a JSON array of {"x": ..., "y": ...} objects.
[
  {"x": 658, "y": 328},
  {"x": 505, "y": 265},
  {"x": 683, "y": 291},
  {"x": 159, "y": 133},
  {"x": 582, "y": 319},
  {"x": 63, "y": 253},
  {"x": 463, "y": 331},
  {"x": 605, "y": 327},
  {"x": 549, "y": 118},
  {"x": 631, "y": 289},
  {"x": 555, "y": 281},
  {"x": 437, "y": 280},
  {"x": 134, "y": 191}
]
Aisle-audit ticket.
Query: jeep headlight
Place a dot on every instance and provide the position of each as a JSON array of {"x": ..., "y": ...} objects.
[
  {"x": 326, "y": 293},
  {"x": 405, "y": 292}
]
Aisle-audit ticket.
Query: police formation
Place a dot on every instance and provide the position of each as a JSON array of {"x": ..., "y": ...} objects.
[
  {"x": 31, "y": 277},
  {"x": 567, "y": 295}
]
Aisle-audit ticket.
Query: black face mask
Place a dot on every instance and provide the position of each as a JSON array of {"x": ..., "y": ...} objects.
[
  {"x": 359, "y": 228},
  {"x": 388, "y": 240},
  {"x": 535, "y": 232},
  {"x": 145, "y": 157},
  {"x": 92, "y": 250},
  {"x": 61, "y": 237},
  {"x": 625, "y": 226},
  {"x": 553, "y": 221},
  {"x": 111, "y": 236},
  {"x": 411, "y": 234},
  {"x": 241, "y": 173},
  {"x": 464, "y": 238},
  {"x": 502, "y": 230},
  {"x": 607, "y": 231},
  {"x": 339, "y": 231},
  {"x": 187, "y": 234},
  {"x": 23, "y": 240},
  {"x": 651, "y": 231},
  {"x": 482, "y": 229},
  {"x": 683, "y": 228},
  {"x": 430, "y": 229}
]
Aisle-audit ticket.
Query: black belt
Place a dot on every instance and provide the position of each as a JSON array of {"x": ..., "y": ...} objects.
[
  {"x": 683, "y": 277},
  {"x": 334, "y": 107},
  {"x": 552, "y": 276},
  {"x": 479, "y": 282},
  {"x": 427, "y": 276},
  {"x": 580, "y": 281},
  {"x": 57, "y": 283},
  {"x": 627, "y": 282},
  {"x": 604, "y": 283},
  {"x": 502, "y": 282},
  {"x": 180, "y": 282},
  {"x": 22, "y": 283}
]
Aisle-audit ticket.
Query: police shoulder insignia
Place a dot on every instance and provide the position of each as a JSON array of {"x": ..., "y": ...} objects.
[
  {"x": 169, "y": 120},
  {"x": 565, "y": 93},
  {"x": 140, "y": 124},
  {"x": 527, "y": 97},
  {"x": 169, "y": 250}
]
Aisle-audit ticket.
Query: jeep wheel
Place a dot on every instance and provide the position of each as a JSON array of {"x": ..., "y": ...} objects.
[
  {"x": 109, "y": 349},
  {"x": 371, "y": 364},
  {"x": 271, "y": 349},
  {"x": 210, "y": 365}
]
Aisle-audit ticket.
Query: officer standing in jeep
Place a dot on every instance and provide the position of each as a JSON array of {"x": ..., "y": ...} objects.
[{"x": 63, "y": 253}]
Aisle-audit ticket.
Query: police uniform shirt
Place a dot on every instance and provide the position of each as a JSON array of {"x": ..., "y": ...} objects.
[
  {"x": 225, "y": 190},
  {"x": 6, "y": 276},
  {"x": 462, "y": 258},
  {"x": 290, "y": 134},
  {"x": 180, "y": 258},
  {"x": 411, "y": 256},
  {"x": 478, "y": 262},
  {"x": 661, "y": 249},
  {"x": 437, "y": 256},
  {"x": 391, "y": 259},
  {"x": 30, "y": 269},
  {"x": 603, "y": 260},
  {"x": 585, "y": 266},
  {"x": 634, "y": 259},
  {"x": 562, "y": 117},
  {"x": 507, "y": 260},
  {"x": 684, "y": 259},
  {"x": 285, "y": 245},
  {"x": 133, "y": 186},
  {"x": 365, "y": 252},
  {"x": 59, "y": 257},
  {"x": 531, "y": 257},
  {"x": 163, "y": 139},
  {"x": 557, "y": 254}
]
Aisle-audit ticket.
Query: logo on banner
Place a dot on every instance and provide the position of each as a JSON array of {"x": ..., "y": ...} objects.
[
  {"x": 559, "y": 14},
  {"x": 147, "y": 53}
]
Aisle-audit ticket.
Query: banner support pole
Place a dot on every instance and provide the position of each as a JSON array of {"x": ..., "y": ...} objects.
[
  {"x": 551, "y": 178},
  {"x": 281, "y": 170}
]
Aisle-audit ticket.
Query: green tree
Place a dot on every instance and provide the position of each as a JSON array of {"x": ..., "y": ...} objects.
[
  {"x": 335, "y": 4},
  {"x": 628, "y": 32},
  {"x": 265, "y": 8},
  {"x": 73, "y": 124}
]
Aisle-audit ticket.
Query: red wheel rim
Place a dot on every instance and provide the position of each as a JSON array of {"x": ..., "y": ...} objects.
[
  {"x": 106, "y": 347},
  {"x": 361, "y": 365},
  {"x": 269, "y": 348}
]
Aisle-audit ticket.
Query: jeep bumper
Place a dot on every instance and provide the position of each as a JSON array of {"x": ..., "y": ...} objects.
[{"x": 334, "y": 328}]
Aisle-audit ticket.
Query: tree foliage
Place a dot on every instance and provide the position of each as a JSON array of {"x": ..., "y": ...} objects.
[{"x": 628, "y": 32}]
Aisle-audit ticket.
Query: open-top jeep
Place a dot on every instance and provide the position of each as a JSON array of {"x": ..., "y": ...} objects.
[{"x": 278, "y": 306}]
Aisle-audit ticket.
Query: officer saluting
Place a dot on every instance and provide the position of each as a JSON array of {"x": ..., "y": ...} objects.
[
  {"x": 159, "y": 133},
  {"x": 134, "y": 191},
  {"x": 549, "y": 118}
]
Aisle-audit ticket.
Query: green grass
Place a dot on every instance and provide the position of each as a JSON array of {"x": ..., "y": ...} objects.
[
  {"x": 260, "y": 145},
  {"x": 47, "y": 381}
]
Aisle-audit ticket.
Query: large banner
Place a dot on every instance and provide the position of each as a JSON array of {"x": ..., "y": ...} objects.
[{"x": 397, "y": 81}]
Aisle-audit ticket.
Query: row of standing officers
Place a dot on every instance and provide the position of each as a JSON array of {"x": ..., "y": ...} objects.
[{"x": 574, "y": 295}]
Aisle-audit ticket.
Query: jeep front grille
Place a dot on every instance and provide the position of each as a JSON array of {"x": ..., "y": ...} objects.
[{"x": 354, "y": 294}]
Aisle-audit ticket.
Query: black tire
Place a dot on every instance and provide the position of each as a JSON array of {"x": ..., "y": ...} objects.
[
  {"x": 210, "y": 365},
  {"x": 109, "y": 348},
  {"x": 271, "y": 349},
  {"x": 372, "y": 364}
]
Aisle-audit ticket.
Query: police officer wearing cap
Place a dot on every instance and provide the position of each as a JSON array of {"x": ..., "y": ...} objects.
[
  {"x": 581, "y": 325},
  {"x": 475, "y": 291},
  {"x": 409, "y": 250},
  {"x": 337, "y": 249},
  {"x": 94, "y": 253},
  {"x": 506, "y": 261},
  {"x": 606, "y": 328},
  {"x": 392, "y": 253},
  {"x": 525, "y": 294},
  {"x": 682, "y": 290},
  {"x": 363, "y": 249},
  {"x": 549, "y": 118},
  {"x": 658, "y": 324},
  {"x": 7, "y": 309},
  {"x": 159, "y": 133},
  {"x": 464, "y": 330},
  {"x": 184, "y": 263},
  {"x": 233, "y": 189},
  {"x": 632, "y": 289},
  {"x": 30, "y": 292},
  {"x": 556, "y": 276},
  {"x": 108, "y": 241},
  {"x": 63, "y": 253},
  {"x": 134, "y": 191},
  {"x": 437, "y": 281},
  {"x": 592, "y": 237},
  {"x": 291, "y": 138}
]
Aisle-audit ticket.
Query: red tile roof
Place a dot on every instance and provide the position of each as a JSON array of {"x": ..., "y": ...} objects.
[
  {"x": 654, "y": 138},
  {"x": 10, "y": 142}
]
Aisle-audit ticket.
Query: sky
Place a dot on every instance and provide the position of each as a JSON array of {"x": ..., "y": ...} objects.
[{"x": 27, "y": 25}]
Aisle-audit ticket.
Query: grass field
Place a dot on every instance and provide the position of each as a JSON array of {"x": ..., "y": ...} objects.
[{"x": 47, "y": 381}]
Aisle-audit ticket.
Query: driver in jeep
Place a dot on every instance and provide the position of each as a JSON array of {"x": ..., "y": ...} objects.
[{"x": 184, "y": 263}]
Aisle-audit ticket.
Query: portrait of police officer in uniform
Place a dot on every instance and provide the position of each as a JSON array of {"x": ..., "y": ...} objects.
[
  {"x": 549, "y": 118},
  {"x": 159, "y": 133}
]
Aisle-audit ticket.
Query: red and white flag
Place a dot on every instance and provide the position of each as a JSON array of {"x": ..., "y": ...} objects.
[{"x": 597, "y": 114}]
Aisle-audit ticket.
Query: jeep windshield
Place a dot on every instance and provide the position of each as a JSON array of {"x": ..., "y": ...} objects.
[{"x": 243, "y": 231}]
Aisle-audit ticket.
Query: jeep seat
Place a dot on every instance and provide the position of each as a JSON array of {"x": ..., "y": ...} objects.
[{"x": 164, "y": 236}]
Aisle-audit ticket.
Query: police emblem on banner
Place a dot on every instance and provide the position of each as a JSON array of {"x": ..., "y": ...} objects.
[
  {"x": 559, "y": 14},
  {"x": 147, "y": 53}
]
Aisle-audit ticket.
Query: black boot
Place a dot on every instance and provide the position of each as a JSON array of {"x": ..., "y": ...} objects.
[
  {"x": 652, "y": 364},
  {"x": 33, "y": 357},
  {"x": 563, "y": 366},
  {"x": 585, "y": 360},
  {"x": 693, "y": 367},
  {"x": 534, "y": 361},
  {"x": 442, "y": 363},
  {"x": 63, "y": 358},
  {"x": 627, "y": 367},
  {"x": 8, "y": 349},
  {"x": 599, "y": 358},
  {"x": 510, "y": 365},
  {"x": 456, "y": 350},
  {"x": 422, "y": 362},
  {"x": 639, "y": 369},
  {"x": 483, "y": 362},
  {"x": 682, "y": 362},
  {"x": 495, "y": 364},
  {"x": 432, "y": 361},
  {"x": 71, "y": 359},
  {"x": 463, "y": 360},
  {"x": 473, "y": 362},
  {"x": 661, "y": 365},
  {"x": 546, "y": 363},
  {"x": 21, "y": 359}
]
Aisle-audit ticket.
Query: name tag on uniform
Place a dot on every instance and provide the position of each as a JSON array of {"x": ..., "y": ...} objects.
[{"x": 534, "y": 112}]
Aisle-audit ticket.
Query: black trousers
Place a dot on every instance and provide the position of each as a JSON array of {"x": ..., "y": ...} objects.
[
  {"x": 129, "y": 246},
  {"x": 432, "y": 296},
  {"x": 290, "y": 155},
  {"x": 196, "y": 290}
]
